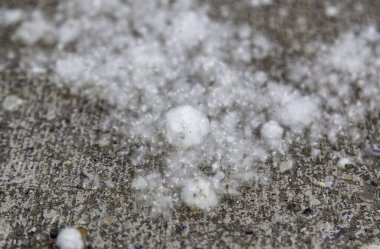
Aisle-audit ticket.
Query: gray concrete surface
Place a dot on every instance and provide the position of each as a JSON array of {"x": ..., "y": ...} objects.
[{"x": 49, "y": 165}]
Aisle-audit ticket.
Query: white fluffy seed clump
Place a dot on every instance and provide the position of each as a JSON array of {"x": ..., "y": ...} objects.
[
  {"x": 299, "y": 113},
  {"x": 186, "y": 126},
  {"x": 272, "y": 133},
  {"x": 199, "y": 193},
  {"x": 70, "y": 238}
]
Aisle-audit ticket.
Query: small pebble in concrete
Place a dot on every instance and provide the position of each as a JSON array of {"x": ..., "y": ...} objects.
[
  {"x": 315, "y": 202},
  {"x": 367, "y": 196},
  {"x": 346, "y": 177},
  {"x": 343, "y": 162}
]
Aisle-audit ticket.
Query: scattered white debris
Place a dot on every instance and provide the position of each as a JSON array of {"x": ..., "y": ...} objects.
[
  {"x": 70, "y": 238},
  {"x": 186, "y": 126},
  {"x": 148, "y": 182},
  {"x": 272, "y": 133},
  {"x": 12, "y": 103},
  {"x": 198, "y": 193}
]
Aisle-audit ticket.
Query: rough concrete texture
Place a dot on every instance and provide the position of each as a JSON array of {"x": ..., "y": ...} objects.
[{"x": 50, "y": 161}]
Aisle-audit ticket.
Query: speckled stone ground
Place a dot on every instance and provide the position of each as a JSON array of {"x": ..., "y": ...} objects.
[{"x": 50, "y": 161}]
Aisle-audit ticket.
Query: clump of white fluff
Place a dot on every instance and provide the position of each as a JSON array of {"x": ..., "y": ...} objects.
[
  {"x": 272, "y": 134},
  {"x": 200, "y": 194},
  {"x": 12, "y": 102},
  {"x": 186, "y": 126},
  {"x": 33, "y": 30},
  {"x": 299, "y": 112},
  {"x": 70, "y": 238}
]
